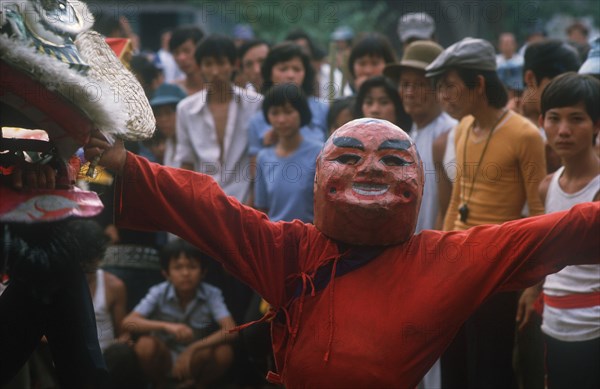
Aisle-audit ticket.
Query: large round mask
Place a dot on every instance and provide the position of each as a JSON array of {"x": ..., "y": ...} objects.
[{"x": 368, "y": 184}]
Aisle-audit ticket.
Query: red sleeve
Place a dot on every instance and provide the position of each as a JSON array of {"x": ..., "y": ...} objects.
[
  {"x": 516, "y": 254},
  {"x": 193, "y": 206},
  {"x": 545, "y": 244}
]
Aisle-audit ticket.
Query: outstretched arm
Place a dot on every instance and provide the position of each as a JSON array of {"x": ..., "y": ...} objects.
[
  {"x": 193, "y": 206},
  {"x": 518, "y": 254}
]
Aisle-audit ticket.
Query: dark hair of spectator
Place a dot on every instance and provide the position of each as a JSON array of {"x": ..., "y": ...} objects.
[
  {"x": 298, "y": 34},
  {"x": 372, "y": 44},
  {"x": 495, "y": 91},
  {"x": 548, "y": 59},
  {"x": 578, "y": 26},
  {"x": 281, "y": 94},
  {"x": 158, "y": 136},
  {"x": 107, "y": 25},
  {"x": 402, "y": 119},
  {"x": 339, "y": 105},
  {"x": 174, "y": 249},
  {"x": 216, "y": 46},
  {"x": 182, "y": 34},
  {"x": 284, "y": 52},
  {"x": 89, "y": 236},
  {"x": 145, "y": 70},
  {"x": 247, "y": 45},
  {"x": 570, "y": 89}
]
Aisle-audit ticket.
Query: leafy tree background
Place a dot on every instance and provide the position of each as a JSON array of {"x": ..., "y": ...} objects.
[{"x": 273, "y": 19}]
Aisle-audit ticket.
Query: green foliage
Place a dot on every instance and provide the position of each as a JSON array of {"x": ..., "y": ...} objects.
[{"x": 272, "y": 20}]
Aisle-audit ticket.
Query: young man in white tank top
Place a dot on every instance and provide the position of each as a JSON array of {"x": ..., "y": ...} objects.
[{"x": 571, "y": 316}]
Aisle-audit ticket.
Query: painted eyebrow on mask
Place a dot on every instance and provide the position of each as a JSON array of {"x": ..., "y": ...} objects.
[
  {"x": 395, "y": 144},
  {"x": 346, "y": 141}
]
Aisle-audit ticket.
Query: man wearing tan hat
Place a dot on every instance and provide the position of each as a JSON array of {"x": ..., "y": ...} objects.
[
  {"x": 429, "y": 122},
  {"x": 500, "y": 164}
]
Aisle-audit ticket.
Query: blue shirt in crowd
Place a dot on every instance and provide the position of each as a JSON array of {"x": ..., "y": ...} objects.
[
  {"x": 317, "y": 129},
  {"x": 284, "y": 186},
  {"x": 201, "y": 314}
]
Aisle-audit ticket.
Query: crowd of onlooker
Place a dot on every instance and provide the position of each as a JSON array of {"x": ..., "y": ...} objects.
[{"x": 489, "y": 124}]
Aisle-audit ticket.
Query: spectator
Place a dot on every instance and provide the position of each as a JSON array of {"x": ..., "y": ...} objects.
[
  {"x": 182, "y": 46},
  {"x": 287, "y": 62},
  {"x": 341, "y": 111},
  {"x": 368, "y": 57},
  {"x": 183, "y": 321},
  {"x": 212, "y": 138},
  {"x": 328, "y": 80},
  {"x": 592, "y": 66},
  {"x": 578, "y": 36},
  {"x": 212, "y": 125},
  {"x": 592, "y": 63},
  {"x": 571, "y": 118},
  {"x": 342, "y": 38},
  {"x": 242, "y": 33},
  {"x": 286, "y": 171},
  {"x": 252, "y": 55},
  {"x": 164, "y": 105},
  {"x": 510, "y": 67},
  {"x": 378, "y": 98},
  {"x": 429, "y": 121},
  {"x": 544, "y": 61},
  {"x": 415, "y": 26},
  {"x": 489, "y": 135},
  {"x": 167, "y": 63},
  {"x": 146, "y": 72}
]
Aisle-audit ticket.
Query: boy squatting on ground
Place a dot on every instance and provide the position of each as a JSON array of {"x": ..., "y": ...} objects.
[{"x": 179, "y": 317}]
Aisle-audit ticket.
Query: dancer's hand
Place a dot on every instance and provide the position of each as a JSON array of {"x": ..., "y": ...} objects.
[
  {"x": 33, "y": 176},
  {"x": 111, "y": 156}
]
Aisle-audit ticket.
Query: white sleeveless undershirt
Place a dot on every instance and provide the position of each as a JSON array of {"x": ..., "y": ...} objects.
[
  {"x": 104, "y": 323},
  {"x": 577, "y": 324}
]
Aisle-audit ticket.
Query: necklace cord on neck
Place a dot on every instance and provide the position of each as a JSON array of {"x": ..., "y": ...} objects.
[{"x": 465, "y": 199}]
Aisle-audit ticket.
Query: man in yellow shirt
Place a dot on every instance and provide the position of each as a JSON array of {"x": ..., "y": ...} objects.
[{"x": 500, "y": 163}]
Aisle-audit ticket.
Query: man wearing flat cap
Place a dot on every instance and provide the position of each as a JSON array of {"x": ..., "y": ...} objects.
[{"x": 500, "y": 163}]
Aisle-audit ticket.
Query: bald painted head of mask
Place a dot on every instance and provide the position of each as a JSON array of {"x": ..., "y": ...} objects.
[{"x": 368, "y": 184}]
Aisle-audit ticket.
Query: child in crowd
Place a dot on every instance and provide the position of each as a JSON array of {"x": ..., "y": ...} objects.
[
  {"x": 571, "y": 118},
  {"x": 182, "y": 46},
  {"x": 288, "y": 63},
  {"x": 368, "y": 57},
  {"x": 178, "y": 319},
  {"x": 341, "y": 111},
  {"x": 286, "y": 171},
  {"x": 164, "y": 106},
  {"x": 378, "y": 98}
]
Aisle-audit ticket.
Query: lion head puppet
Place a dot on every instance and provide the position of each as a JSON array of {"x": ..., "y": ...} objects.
[{"x": 59, "y": 81}]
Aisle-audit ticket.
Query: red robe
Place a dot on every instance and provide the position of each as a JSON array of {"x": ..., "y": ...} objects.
[{"x": 381, "y": 325}]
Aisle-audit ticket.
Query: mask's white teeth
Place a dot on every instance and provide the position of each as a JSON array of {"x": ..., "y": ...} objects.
[{"x": 370, "y": 189}]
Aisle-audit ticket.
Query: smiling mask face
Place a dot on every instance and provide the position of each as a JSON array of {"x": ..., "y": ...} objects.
[{"x": 368, "y": 185}]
